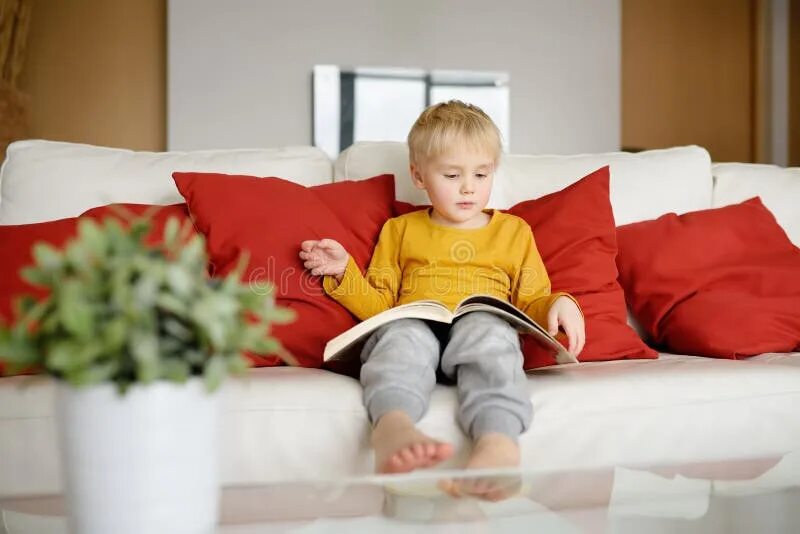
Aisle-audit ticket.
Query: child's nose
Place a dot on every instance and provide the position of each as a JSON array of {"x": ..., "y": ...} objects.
[{"x": 467, "y": 186}]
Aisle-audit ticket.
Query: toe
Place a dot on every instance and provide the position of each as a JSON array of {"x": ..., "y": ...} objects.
[
  {"x": 494, "y": 495},
  {"x": 407, "y": 456},
  {"x": 450, "y": 488},
  {"x": 396, "y": 461},
  {"x": 443, "y": 451}
]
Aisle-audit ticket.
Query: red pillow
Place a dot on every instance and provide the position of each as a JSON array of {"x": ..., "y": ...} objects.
[
  {"x": 722, "y": 282},
  {"x": 576, "y": 237},
  {"x": 18, "y": 241},
  {"x": 269, "y": 218}
]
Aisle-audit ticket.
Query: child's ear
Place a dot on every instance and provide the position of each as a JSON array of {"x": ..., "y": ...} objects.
[{"x": 416, "y": 177}]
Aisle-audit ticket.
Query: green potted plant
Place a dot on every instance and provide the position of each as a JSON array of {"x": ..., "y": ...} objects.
[{"x": 139, "y": 339}]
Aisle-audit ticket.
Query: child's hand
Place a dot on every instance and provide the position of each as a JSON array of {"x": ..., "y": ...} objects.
[
  {"x": 325, "y": 256},
  {"x": 566, "y": 314}
]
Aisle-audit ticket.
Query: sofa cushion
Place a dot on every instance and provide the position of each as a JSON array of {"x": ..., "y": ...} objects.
[
  {"x": 79, "y": 177},
  {"x": 673, "y": 410},
  {"x": 720, "y": 282},
  {"x": 576, "y": 237},
  {"x": 643, "y": 185},
  {"x": 778, "y": 187},
  {"x": 269, "y": 218},
  {"x": 778, "y": 358}
]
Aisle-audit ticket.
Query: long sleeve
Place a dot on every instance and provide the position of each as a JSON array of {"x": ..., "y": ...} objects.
[
  {"x": 530, "y": 285},
  {"x": 377, "y": 292}
]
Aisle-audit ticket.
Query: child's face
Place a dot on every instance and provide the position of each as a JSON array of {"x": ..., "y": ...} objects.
[{"x": 458, "y": 184}]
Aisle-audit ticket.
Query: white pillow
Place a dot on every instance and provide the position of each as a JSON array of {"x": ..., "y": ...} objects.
[
  {"x": 46, "y": 180},
  {"x": 643, "y": 185},
  {"x": 778, "y": 187}
]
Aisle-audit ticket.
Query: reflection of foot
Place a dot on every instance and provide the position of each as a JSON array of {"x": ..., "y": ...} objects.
[
  {"x": 491, "y": 451},
  {"x": 400, "y": 447}
]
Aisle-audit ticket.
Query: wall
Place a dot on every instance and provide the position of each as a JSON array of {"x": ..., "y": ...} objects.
[
  {"x": 794, "y": 83},
  {"x": 240, "y": 75},
  {"x": 95, "y": 71},
  {"x": 688, "y": 75},
  {"x": 780, "y": 82}
]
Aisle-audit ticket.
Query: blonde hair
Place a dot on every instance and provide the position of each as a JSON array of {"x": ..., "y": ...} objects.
[{"x": 442, "y": 126}]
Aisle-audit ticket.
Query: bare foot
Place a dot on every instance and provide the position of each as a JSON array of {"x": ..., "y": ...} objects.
[
  {"x": 491, "y": 451},
  {"x": 400, "y": 447}
]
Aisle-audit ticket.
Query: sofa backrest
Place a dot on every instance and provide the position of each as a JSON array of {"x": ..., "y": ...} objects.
[
  {"x": 778, "y": 187},
  {"x": 44, "y": 180},
  {"x": 643, "y": 185}
]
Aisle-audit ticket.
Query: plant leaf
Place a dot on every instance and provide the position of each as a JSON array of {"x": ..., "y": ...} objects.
[
  {"x": 74, "y": 311},
  {"x": 179, "y": 279},
  {"x": 47, "y": 257},
  {"x": 143, "y": 345},
  {"x": 171, "y": 230},
  {"x": 214, "y": 372},
  {"x": 238, "y": 364},
  {"x": 35, "y": 276},
  {"x": 175, "y": 370},
  {"x": 92, "y": 236}
]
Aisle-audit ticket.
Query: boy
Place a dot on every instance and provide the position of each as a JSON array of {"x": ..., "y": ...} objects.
[{"x": 452, "y": 250}]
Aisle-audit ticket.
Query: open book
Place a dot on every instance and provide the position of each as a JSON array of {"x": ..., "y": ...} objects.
[{"x": 341, "y": 346}]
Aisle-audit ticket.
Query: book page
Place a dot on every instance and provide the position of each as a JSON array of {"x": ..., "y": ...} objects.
[
  {"x": 422, "y": 309},
  {"x": 518, "y": 319}
]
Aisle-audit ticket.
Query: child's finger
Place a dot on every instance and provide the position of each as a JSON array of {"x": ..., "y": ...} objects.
[
  {"x": 552, "y": 322},
  {"x": 327, "y": 243},
  {"x": 568, "y": 329},
  {"x": 572, "y": 337},
  {"x": 308, "y": 246},
  {"x": 581, "y": 342}
]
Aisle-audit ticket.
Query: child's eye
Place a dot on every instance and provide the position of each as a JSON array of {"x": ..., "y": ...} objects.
[
  {"x": 480, "y": 175},
  {"x": 451, "y": 176}
]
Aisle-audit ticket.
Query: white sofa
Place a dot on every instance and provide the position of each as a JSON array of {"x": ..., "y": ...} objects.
[{"x": 290, "y": 423}]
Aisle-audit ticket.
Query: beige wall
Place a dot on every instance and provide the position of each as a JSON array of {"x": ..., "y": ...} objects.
[
  {"x": 95, "y": 71},
  {"x": 688, "y": 75}
]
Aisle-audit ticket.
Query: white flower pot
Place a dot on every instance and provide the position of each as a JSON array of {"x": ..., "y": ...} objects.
[{"x": 145, "y": 462}]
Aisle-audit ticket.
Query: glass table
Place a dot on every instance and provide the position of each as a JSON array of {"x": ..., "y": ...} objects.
[{"x": 731, "y": 497}]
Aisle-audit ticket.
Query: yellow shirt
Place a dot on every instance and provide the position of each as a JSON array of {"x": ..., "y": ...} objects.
[{"x": 418, "y": 259}]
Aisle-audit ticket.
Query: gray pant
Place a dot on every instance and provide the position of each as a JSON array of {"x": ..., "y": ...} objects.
[{"x": 481, "y": 354}]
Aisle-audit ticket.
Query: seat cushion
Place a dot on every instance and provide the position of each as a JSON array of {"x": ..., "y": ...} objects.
[
  {"x": 778, "y": 358},
  {"x": 81, "y": 176},
  {"x": 673, "y": 410}
]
